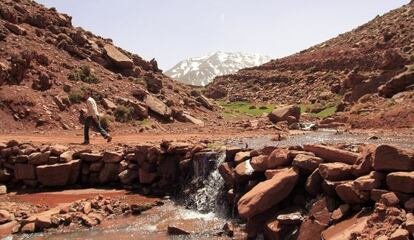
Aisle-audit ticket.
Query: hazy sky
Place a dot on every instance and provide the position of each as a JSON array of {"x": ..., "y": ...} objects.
[{"x": 173, "y": 30}]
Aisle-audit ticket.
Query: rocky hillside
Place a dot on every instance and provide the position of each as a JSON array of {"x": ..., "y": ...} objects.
[
  {"x": 201, "y": 71},
  {"x": 365, "y": 72},
  {"x": 46, "y": 66}
]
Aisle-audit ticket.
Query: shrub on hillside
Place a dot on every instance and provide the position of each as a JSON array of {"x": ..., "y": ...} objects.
[
  {"x": 123, "y": 114},
  {"x": 76, "y": 96},
  {"x": 105, "y": 121},
  {"x": 84, "y": 74}
]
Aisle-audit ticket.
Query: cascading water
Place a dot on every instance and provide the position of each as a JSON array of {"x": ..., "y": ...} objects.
[{"x": 206, "y": 193}]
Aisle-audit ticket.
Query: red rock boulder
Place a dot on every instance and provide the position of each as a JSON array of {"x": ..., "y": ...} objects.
[{"x": 268, "y": 193}]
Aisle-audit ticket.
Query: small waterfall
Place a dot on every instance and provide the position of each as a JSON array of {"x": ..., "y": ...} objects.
[{"x": 206, "y": 193}]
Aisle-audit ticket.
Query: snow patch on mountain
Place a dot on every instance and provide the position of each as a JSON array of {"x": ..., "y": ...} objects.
[{"x": 200, "y": 71}]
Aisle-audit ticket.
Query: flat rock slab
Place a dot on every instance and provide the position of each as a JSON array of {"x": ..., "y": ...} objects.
[{"x": 56, "y": 174}]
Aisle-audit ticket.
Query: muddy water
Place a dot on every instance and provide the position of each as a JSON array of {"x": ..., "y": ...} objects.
[{"x": 151, "y": 225}]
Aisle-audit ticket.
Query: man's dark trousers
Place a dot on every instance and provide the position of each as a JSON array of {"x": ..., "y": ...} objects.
[{"x": 96, "y": 123}]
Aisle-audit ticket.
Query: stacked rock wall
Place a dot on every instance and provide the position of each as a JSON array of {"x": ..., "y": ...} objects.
[
  {"x": 307, "y": 192},
  {"x": 153, "y": 169}
]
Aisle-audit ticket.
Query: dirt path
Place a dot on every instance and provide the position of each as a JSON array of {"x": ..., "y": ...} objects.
[{"x": 75, "y": 138}]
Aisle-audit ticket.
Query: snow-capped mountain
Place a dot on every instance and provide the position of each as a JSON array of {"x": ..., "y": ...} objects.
[{"x": 202, "y": 70}]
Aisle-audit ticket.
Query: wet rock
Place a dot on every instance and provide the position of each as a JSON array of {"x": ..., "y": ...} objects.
[
  {"x": 268, "y": 193},
  {"x": 28, "y": 228},
  {"x": 290, "y": 217},
  {"x": 227, "y": 173},
  {"x": 335, "y": 171},
  {"x": 401, "y": 182},
  {"x": 24, "y": 171},
  {"x": 390, "y": 158},
  {"x": 241, "y": 156},
  {"x": 332, "y": 154},
  {"x": 87, "y": 221},
  {"x": 284, "y": 114},
  {"x": 119, "y": 59},
  {"x": 306, "y": 163},
  {"x": 112, "y": 157},
  {"x": 175, "y": 230},
  {"x": 243, "y": 172}
]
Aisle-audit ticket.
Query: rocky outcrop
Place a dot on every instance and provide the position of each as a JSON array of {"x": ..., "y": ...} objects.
[
  {"x": 118, "y": 58},
  {"x": 336, "y": 194},
  {"x": 290, "y": 114}
]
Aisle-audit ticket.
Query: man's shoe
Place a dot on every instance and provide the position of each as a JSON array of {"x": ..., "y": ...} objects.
[{"x": 109, "y": 139}]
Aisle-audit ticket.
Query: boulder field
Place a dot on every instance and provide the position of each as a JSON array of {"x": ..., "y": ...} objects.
[{"x": 322, "y": 192}]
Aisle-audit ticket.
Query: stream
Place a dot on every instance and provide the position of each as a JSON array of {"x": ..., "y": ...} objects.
[{"x": 203, "y": 210}]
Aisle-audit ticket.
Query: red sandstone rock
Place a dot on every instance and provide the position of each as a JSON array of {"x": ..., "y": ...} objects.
[
  {"x": 401, "y": 182},
  {"x": 310, "y": 230},
  {"x": 335, "y": 171},
  {"x": 39, "y": 158},
  {"x": 146, "y": 177},
  {"x": 369, "y": 182},
  {"x": 55, "y": 175},
  {"x": 278, "y": 158},
  {"x": 332, "y": 154},
  {"x": 24, "y": 171},
  {"x": 350, "y": 194},
  {"x": 241, "y": 157},
  {"x": 274, "y": 230},
  {"x": 390, "y": 199},
  {"x": 409, "y": 223},
  {"x": 363, "y": 164},
  {"x": 400, "y": 234},
  {"x": 227, "y": 173},
  {"x": 390, "y": 158},
  {"x": 243, "y": 172},
  {"x": 268, "y": 193},
  {"x": 346, "y": 229},
  {"x": 341, "y": 212},
  {"x": 313, "y": 183},
  {"x": 283, "y": 114},
  {"x": 306, "y": 163},
  {"x": 109, "y": 173},
  {"x": 112, "y": 157}
]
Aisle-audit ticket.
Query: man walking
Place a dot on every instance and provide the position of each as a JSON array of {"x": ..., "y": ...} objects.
[{"x": 92, "y": 117}]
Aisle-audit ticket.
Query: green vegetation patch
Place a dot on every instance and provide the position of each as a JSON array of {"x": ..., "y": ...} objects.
[
  {"x": 84, "y": 74},
  {"x": 123, "y": 114},
  {"x": 234, "y": 109},
  {"x": 76, "y": 96},
  {"x": 322, "y": 111}
]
